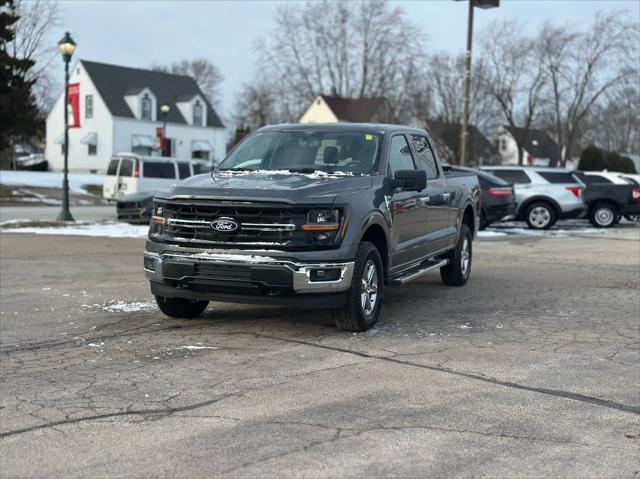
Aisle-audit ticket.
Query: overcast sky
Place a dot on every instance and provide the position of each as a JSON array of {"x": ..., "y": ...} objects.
[{"x": 140, "y": 33}]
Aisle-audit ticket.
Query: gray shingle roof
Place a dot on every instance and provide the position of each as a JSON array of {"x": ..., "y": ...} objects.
[
  {"x": 447, "y": 136},
  {"x": 537, "y": 142},
  {"x": 359, "y": 110},
  {"x": 115, "y": 82}
]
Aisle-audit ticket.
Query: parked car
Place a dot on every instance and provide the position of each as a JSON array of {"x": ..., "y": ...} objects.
[
  {"x": 135, "y": 208},
  {"x": 498, "y": 196},
  {"x": 607, "y": 201},
  {"x": 313, "y": 215},
  {"x": 604, "y": 177},
  {"x": 129, "y": 173},
  {"x": 543, "y": 194},
  {"x": 634, "y": 178}
]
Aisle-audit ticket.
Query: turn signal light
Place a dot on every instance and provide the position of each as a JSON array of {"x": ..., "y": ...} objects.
[
  {"x": 320, "y": 227},
  {"x": 159, "y": 220}
]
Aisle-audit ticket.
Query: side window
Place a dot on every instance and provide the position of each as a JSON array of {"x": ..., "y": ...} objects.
[
  {"x": 426, "y": 159},
  {"x": 126, "y": 168},
  {"x": 88, "y": 106},
  {"x": 400, "y": 155},
  {"x": 512, "y": 176},
  {"x": 159, "y": 169},
  {"x": 183, "y": 170},
  {"x": 112, "y": 169}
]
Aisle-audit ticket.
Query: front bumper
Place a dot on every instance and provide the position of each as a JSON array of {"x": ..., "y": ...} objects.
[{"x": 244, "y": 274}]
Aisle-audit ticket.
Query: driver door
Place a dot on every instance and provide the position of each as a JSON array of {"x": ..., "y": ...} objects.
[{"x": 409, "y": 217}]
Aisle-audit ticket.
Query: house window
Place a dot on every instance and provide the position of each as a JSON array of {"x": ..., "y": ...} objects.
[
  {"x": 197, "y": 113},
  {"x": 92, "y": 150},
  {"x": 88, "y": 106},
  {"x": 503, "y": 144},
  {"x": 146, "y": 108}
]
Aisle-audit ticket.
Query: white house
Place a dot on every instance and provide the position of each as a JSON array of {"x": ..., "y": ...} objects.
[
  {"x": 539, "y": 148},
  {"x": 333, "y": 109},
  {"x": 115, "y": 109}
]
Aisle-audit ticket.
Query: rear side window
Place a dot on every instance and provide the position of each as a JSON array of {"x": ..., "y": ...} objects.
[
  {"x": 183, "y": 170},
  {"x": 426, "y": 159},
  {"x": 512, "y": 176},
  {"x": 400, "y": 155},
  {"x": 126, "y": 168},
  {"x": 112, "y": 169},
  {"x": 159, "y": 169},
  {"x": 557, "y": 177}
]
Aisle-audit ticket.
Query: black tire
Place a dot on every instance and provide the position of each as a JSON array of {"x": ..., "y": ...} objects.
[
  {"x": 602, "y": 215},
  {"x": 180, "y": 307},
  {"x": 356, "y": 315},
  {"x": 540, "y": 215},
  {"x": 483, "y": 220},
  {"x": 457, "y": 272}
]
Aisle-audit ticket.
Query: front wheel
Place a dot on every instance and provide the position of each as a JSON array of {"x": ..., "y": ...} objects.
[
  {"x": 457, "y": 272},
  {"x": 364, "y": 298},
  {"x": 180, "y": 307}
]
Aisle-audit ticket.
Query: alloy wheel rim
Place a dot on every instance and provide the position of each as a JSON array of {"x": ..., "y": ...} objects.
[
  {"x": 369, "y": 288},
  {"x": 604, "y": 216},
  {"x": 465, "y": 257},
  {"x": 540, "y": 217}
]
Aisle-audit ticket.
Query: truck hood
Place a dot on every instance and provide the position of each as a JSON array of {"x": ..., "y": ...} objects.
[{"x": 297, "y": 188}]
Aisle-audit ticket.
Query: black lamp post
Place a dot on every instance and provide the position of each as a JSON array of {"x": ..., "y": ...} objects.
[
  {"x": 66, "y": 46},
  {"x": 464, "y": 134},
  {"x": 164, "y": 109}
]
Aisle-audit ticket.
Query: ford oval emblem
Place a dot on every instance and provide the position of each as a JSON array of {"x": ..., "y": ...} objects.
[{"x": 225, "y": 225}]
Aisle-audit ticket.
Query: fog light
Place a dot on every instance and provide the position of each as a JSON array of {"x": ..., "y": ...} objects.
[
  {"x": 332, "y": 274},
  {"x": 149, "y": 264}
]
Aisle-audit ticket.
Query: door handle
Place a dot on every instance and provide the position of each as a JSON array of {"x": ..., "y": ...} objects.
[
  {"x": 424, "y": 199},
  {"x": 446, "y": 196}
]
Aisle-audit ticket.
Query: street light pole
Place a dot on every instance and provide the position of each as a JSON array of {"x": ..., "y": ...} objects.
[
  {"x": 66, "y": 46},
  {"x": 164, "y": 109},
  {"x": 464, "y": 133}
]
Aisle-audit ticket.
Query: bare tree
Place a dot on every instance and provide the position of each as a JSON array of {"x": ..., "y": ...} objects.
[
  {"x": 37, "y": 19},
  {"x": 582, "y": 67},
  {"x": 446, "y": 80},
  {"x": 206, "y": 74},
  {"x": 369, "y": 49},
  {"x": 514, "y": 75},
  {"x": 256, "y": 106}
]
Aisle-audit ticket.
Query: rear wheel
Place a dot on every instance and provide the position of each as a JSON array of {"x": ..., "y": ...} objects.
[
  {"x": 602, "y": 215},
  {"x": 457, "y": 272},
  {"x": 180, "y": 307},
  {"x": 365, "y": 295},
  {"x": 540, "y": 216}
]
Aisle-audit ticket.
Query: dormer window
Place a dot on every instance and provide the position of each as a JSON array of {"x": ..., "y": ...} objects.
[
  {"x": 197, "y": 113},
  {"x": 146, "y": 108}
]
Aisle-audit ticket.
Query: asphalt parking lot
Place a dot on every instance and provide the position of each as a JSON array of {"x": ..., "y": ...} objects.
[{"x": 531, "y": 369}]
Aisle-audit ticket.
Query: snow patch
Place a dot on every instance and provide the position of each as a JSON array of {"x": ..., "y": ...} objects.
[
  {"x": 490, "y": 234},
  {"x": 195, "y": 348},
  {"x": 109, "y": 230},
  {"x": 49, "y": 179},
  {"x": 316, "y": 175},
  {"x": 123, "y": 307}
]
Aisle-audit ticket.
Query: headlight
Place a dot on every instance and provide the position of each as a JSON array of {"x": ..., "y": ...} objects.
[
  {"x": 323, "y": 226},
  {"x": 322, "y": 220}
]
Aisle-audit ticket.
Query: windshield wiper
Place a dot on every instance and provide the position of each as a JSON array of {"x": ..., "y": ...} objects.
[{"x": 302, "y": 170}]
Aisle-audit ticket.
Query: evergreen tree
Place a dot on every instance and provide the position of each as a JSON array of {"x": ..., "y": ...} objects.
[{"x": 18, "y": 111}]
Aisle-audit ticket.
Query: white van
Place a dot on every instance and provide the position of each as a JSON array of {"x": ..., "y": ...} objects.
[{"x": 130, "y": 173}]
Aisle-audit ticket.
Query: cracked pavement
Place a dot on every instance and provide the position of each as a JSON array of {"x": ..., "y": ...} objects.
[{"x": 531, "y": 369}]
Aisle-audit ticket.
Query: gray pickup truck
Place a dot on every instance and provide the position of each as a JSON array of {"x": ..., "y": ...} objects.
[{"x": 313, "y": 215}]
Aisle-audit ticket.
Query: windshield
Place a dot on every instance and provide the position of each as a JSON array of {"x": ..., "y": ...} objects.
[{"x": 340, "y": 153}]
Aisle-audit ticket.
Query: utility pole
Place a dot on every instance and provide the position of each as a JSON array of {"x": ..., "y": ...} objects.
[{"x": 464, "y": 133}]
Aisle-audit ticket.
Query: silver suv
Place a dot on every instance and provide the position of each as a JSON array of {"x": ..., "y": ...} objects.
[{"x": 543, "y": 195}]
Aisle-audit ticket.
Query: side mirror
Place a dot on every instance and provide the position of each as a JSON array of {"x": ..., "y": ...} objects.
[
  {"x": 447, "y": 168},
  {"x": 410, "y": 180}
]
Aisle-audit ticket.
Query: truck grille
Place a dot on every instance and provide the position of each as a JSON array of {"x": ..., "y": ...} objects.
[{"x": 265, "y": 225}]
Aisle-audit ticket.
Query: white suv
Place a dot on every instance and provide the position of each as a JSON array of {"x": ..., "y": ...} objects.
[{"x": 543, "y": 195}]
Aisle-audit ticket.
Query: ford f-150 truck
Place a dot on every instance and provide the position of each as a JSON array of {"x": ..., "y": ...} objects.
[{"x": 313, "y": 215}]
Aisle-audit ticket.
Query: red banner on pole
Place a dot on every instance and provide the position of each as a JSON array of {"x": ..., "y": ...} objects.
[
  {"x": 74, "y": 105},
  {"x": 160, "y": 137}
]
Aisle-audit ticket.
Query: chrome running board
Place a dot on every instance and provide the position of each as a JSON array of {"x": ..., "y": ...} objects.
[{"x": 417, "y": 271}]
